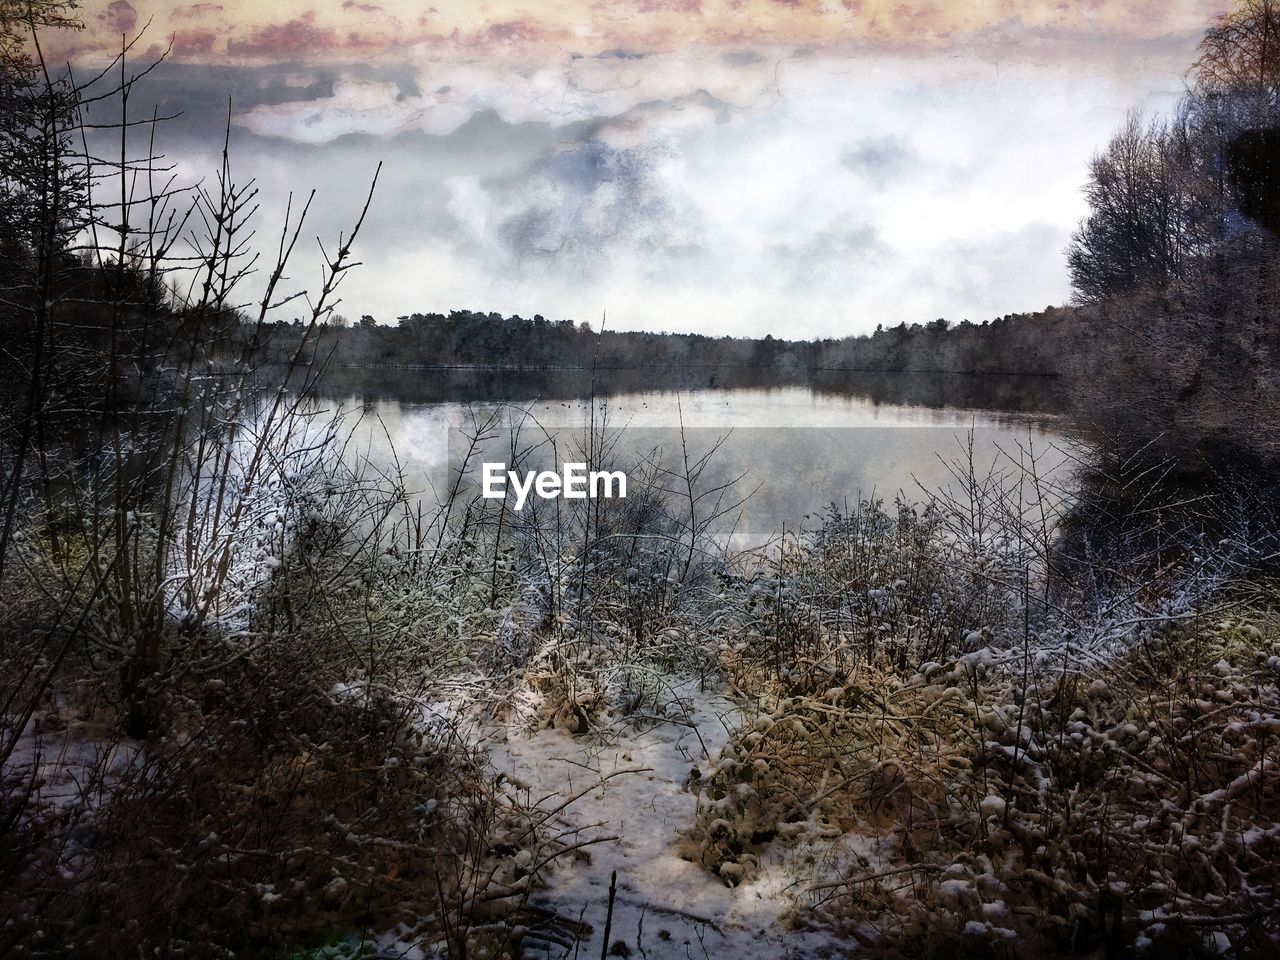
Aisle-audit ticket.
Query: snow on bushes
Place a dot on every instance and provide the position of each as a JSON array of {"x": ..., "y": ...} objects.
[{"x": 1129, "y": 805}]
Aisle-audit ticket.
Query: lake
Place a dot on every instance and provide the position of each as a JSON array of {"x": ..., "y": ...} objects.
[{"x": 787, "y": 447}]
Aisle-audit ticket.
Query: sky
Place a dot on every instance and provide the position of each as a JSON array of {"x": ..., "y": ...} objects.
[{"x": 801, "y": 168}]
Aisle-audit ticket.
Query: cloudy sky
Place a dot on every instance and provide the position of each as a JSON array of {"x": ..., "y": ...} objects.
[{"x": 805, "y": 168}]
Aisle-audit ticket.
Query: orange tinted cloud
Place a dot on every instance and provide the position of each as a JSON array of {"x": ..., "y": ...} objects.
[
  {"x": 299, "y": 38},
  {"x": 301, "y": 30},
  {"x": 193, "y": 44},
  {"x": 118, "y": 17},
  {"x": 196, "y": 10}
]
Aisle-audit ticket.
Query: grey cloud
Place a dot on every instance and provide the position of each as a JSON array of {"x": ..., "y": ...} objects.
[
  {"x": 620, "y": 54},
  {"x": 587, "y": 203},
  {"x": 617, "y": 84},
  {"x": 1003, "y": 272},
  {"x": 881, "y": 159},
  {"x": 681, "y": 202},
  {"x": 838, "y": 252},
  {"x": 198, "y": 94}
]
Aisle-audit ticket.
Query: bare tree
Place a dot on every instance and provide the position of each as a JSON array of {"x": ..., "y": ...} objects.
[
  {"x": 1141, "y": 230},
  {"x": 1239, "y": 58}
]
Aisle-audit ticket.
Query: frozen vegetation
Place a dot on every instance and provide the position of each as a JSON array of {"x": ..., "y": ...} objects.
[{"x": 970, "y": 723}]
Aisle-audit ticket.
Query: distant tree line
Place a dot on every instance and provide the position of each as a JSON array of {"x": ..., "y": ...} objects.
[{"x": 1015, "y": 343}]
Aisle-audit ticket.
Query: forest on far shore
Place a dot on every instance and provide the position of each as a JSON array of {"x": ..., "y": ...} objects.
[{"x": 1015, "y": 343}]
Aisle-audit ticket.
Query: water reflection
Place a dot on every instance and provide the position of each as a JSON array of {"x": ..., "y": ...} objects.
[
  {"x": 797, "y": 449},
  {"x": 1019, "y": 394}
]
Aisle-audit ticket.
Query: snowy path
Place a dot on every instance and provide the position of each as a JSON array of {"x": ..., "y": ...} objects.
[{"x": 666, "y": 906}]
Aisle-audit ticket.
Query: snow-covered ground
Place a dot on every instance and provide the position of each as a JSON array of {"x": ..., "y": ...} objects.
[
  {"x": 631, "y": 785},
  {"x": 67, "y": 762}
]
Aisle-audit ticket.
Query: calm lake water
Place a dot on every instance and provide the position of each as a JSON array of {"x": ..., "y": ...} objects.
[{"x": 795, "y": 448}]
